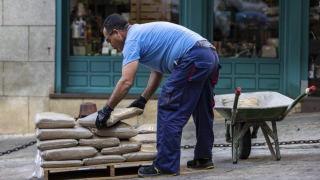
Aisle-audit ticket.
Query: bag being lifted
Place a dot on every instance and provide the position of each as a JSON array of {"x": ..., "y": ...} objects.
[
  {"x": 116, "y": 115},
  {"x": 53, "y": 120}
]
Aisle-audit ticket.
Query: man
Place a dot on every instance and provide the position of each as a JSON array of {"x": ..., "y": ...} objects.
[{"x": 191, "y": 60}]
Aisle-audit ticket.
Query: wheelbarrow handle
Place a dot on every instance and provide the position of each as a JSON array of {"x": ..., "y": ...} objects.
[
  {"x": 310, "y": 90},
  {"x": 295, "y": 102},
  {"x": 238, "y": 91},
  {"x": 235, "y": 105}
]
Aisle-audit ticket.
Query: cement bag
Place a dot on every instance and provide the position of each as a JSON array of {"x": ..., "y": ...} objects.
[
  {"x": 144, "y": 138},
  {"x": 147, "y": 128},
  {"x": 123, "y": 148},
  {"x": 242, "y": 102},
  {"x": 68, "y": 133},
  {"x": 100, "y": 142},
  {"x": 56, "y": 144},
  {"x": 149, "y": 147},
  {"x": 72, "y": 153},
  {"x": 60, "y": 164},
  {"x": 103, "y": 159},
  {"x": 116, "y": 115},
  {"x": 52, "y": 120},
  {"x": 120, "y": 130},
  {"x": 140, "y": 156}
]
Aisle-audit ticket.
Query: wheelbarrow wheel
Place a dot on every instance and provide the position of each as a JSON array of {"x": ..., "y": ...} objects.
[{"x": 245, "y": 144}]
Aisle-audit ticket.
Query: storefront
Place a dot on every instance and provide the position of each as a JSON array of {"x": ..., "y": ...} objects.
[{"x": 262, "y": 44}]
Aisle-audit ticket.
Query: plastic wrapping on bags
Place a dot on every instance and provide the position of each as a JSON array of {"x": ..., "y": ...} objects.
[
  {"x": 140, "y": 156},
  {"x": 100, "y": 142},
  {"x": 67, "y": 133},
  {"x": 53, "y": 120},
  {"x": 120, "y": 130},
  {"x": 72, "y": 153},
  {"x": 60, "y": 164},
  {"x": 116, "y": 115},
  {"x": 144, "y": 138},
  {"x": 147, "y": 128},
  {"x": 123, "y": 148},
  {"x": 56, "y": 144},
  {"x": 103, "y": 159},
  {"x": 37, "y": 170}
]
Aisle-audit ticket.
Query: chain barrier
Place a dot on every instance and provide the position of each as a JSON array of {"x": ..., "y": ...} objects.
[
  {"x": 186, "y": 146},
  {"x": 17, "y": 148},
  {"x": 261, "y": 144}
]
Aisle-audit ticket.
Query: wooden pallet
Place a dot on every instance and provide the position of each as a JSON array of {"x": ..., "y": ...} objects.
[{"x": 101, "y": 171}]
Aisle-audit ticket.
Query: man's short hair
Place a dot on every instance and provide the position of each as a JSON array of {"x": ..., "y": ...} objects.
[{"x": 114, "y": 21}]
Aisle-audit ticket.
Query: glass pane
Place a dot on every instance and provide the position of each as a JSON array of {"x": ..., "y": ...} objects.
[
  {"x": 314, "y": 45},
  {"x": 87, "y": 16},
  {"x": 246, "y": 28}
]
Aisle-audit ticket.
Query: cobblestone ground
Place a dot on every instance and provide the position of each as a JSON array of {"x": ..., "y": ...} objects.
[{"x": 299, "y": 161}]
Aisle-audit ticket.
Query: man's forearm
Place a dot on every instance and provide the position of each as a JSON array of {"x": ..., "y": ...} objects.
[
  {"x": 153, "y": 84},
  {"x": 121, "y": 90}
]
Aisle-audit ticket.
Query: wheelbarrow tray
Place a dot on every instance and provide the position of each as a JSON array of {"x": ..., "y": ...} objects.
[{"x": 271, "y": 105}]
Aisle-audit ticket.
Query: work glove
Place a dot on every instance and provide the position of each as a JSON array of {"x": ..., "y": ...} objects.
[
  {"x": 103, "y": 116},
  {"x": 139, "y": 103}
]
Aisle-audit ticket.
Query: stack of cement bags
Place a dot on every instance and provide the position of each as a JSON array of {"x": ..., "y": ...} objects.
[
  {"x": 62, "y": 143},
  {"x": 147, "y": 138},
  {"x": 130, "y": 151}
]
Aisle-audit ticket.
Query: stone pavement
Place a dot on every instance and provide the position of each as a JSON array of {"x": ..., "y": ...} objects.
[{"x": 299, "y": 161}]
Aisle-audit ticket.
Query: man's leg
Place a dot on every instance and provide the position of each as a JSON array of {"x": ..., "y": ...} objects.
[{"x": 176, "y": 103}]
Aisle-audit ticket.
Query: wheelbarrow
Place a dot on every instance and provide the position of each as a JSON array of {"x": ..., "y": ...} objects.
[{"x": 272, "y": 106}]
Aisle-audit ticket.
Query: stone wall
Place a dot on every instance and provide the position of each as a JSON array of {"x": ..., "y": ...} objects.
[{"x": 27, "y": 30}]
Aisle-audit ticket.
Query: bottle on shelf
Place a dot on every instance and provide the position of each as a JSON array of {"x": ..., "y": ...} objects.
[
  {"x": 82, "y": 27},
  {"x": 88, "y": 30},
  {"x": 75, "y": 29},
  {"x": 105, "y": 48},
  {"x": 311, "y": 68},
  {"x": 254, "y": 53}
]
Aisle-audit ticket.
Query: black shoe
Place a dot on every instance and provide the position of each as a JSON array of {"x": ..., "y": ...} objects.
[
  {"x": 203, "y": 163},
  {"x": 152, "y": 171}
]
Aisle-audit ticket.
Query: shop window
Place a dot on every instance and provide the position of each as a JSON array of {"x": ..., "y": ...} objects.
[
  {"x": 246, "y": 28},
  {"x": 314, "y": 45},
  {"x": 87, "y": 16}
]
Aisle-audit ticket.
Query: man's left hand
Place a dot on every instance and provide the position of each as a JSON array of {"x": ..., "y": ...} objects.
[{"x": 103, "y": 116}]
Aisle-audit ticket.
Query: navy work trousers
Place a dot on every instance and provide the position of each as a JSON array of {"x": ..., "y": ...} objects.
[{"x": 188, "y": 91}]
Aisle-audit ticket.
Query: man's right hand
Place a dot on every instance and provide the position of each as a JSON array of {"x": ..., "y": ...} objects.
[{"x": 103, "y": 116}]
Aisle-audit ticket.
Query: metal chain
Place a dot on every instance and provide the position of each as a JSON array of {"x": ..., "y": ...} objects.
[
  {"x": 186, "y": 146},
  {"x": 17, "y": 148},
  {"x": 261, "y": 144}
]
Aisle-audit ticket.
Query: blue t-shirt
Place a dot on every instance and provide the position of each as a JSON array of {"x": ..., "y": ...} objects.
[{"x": 156, "y": 45}]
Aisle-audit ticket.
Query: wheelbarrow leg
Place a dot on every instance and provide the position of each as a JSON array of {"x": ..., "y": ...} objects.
[
  {"x": 228, "y": 136},
  {"x": 276, "y": 141},
  {"x": 235, "y": 143},
  {"x": 254, "y": 132},
  {"x": 267, "y": 131},
  {"x": 269, "y": 143}
]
